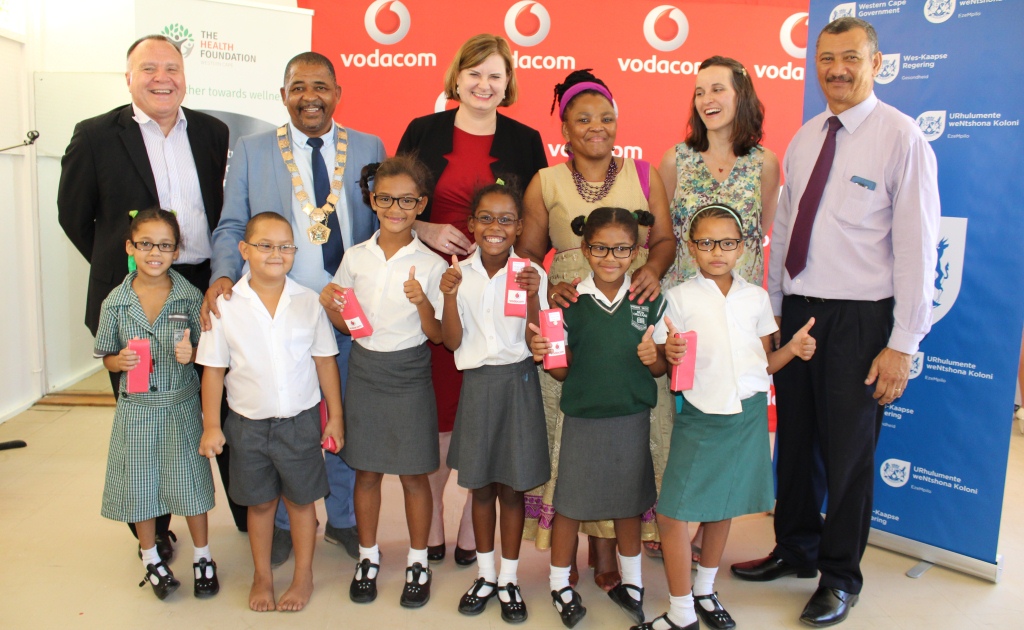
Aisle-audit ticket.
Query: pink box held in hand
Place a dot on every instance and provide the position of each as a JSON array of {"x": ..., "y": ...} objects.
[
  {"x": 138, "y": 377},
  {"x": 329, "y": 444},
  {"x": 358, "y": 325},
  {"x": 551, "y": 327},
  {"x": 682, "y": 374},
  {"x": 515, "y": 296}
]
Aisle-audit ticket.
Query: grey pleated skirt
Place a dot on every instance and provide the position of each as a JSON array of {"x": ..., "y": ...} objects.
[
  {"x": 500, "y": 435},
  {"x": 605, "y": 469},
  {"x": 390, "y": 413}
]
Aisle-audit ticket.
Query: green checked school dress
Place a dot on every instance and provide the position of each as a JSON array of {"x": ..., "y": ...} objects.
[{"x": 154, "y": 466}]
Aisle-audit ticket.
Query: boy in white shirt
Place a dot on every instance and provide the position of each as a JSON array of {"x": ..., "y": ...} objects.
[{"x": 272, "y": 335}]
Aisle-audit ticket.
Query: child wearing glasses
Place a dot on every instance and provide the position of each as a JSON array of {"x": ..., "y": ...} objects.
[
  {"x": 719, "y": 463},
  {"x": 499, "y": 443},
  {"x": 277, "y": 348},
  {"x": 390, "y": 414},
  {"x": 154, "y": 466},
  {"x": 605, "y": 469}
]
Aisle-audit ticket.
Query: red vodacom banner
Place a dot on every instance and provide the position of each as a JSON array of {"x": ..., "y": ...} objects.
[{"x": 390, "y": 56}]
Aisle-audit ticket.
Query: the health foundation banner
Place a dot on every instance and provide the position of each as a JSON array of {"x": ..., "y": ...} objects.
[{"x": 943, "y": 450}]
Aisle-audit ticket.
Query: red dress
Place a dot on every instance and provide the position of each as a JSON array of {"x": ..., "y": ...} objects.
[{"x": 469, "y": 168}]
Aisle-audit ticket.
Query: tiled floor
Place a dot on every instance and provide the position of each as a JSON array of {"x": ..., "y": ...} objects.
[{"x": 62, "y": 565}]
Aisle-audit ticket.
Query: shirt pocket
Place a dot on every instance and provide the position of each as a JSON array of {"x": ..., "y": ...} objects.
[
  {"x": 858, "y": 203},
  {"x": 300, "y": 343}
]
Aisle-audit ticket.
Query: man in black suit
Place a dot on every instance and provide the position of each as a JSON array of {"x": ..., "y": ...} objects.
[{"x": 150, "y": 153}]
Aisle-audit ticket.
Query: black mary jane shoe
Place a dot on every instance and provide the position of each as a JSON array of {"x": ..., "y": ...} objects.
[
  {"x": 650, "y": 626},
  {"x": 472, "y": 603},
  {"x": 415, "y": 594},
  {"x": 571, "y": 612},
  {"x": 634, "y": 608},
  {"x": 514, "y": 610},
  {"x": 205, "y": 586},
  {"x": 363, "y": 589},
  {"x": 718, "y": 617},
  {"x": 464, "y": 557},
  {"x": 165, "y": 584},
  {"x": 436, "y": 553}
]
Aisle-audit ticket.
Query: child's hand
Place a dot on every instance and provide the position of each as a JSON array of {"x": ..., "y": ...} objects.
[
  {"x": 647, "y": 350},
  {"x": 212, "y": 442},
  {"x": 332, "y": 298},
  {"x": 413, "y": 290},
  {"x": 675, "y": 347},
  {"x": 127, "y": 359},
  {"x": 183, "y": 349},
  {"x": 803, "y": 344},
  {"x": 528, "y": 280},
  {"x": 452, "y": 278},
  {"x": 334, "y": 429},
  {"x": 539, "y": 345}
]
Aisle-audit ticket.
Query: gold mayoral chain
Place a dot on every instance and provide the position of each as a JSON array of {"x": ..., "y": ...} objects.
[{"x": 318, "y": 231}]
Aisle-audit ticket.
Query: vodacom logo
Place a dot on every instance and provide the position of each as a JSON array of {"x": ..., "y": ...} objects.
[
  {"x": 538, "y": 11},
  {"x": 396, "y": 8},
  {"x": 651, "y": 27},
  {"x": 786, "y": 35}
]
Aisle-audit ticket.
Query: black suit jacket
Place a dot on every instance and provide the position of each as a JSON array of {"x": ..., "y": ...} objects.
[
  {"x": 517, "y": 147},
  {"x": 105, "y": 172}
]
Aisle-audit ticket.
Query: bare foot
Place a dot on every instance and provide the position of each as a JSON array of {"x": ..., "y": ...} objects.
[
  {"x": 298, "y": 594},
  {"x": 261, "y": 595}
]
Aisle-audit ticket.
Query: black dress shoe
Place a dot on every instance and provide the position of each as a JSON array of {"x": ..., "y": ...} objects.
[
  {"x": 514, "y": 610},
  {"x": 472, "y": 603},
  {"x": 650, "y": 626},
  {"x": 718, "y": 617},
  {"x": 571, "y": 612},
  {"x": 205, "y": 586},
  {"x": 280, "y": 547},
  {"x": 436, "y": 553},
  {"x": 363, "y": 589},
  {"x": 634, "y": 608},
  {"x": 464, "y": 557},
  {"x": 827, "y": 607},
  {"x": 165, "y": 584},
  {"x": 415, "y": 594},
  {"x": 770, "y": 568},
  {"x": 347, "y": 537}
]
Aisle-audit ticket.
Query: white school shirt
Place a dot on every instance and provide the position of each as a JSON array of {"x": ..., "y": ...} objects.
[
  {"x": 588, "y": 287},
  {"x": 488, "y": 336},
  {"x": 379, "y": 285},
  {"x": 270, "y": 359},
  {"x": 177, "y": 183},
  {"x": 731, "y": 363}
]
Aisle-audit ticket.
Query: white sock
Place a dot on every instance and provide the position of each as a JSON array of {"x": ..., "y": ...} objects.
[
  {"x": 680, "y": 610},
  {"x": 704, "y": 583},
  {"x": 508, "y": 575},
  {"x": 559, "y": 579},
  {"x": 485, "y": 570},
  {"x": 202, "y": 553},
  {"x": 152, "y": 556},
  {"x": 631, "y": 573},
  {"x": 418, "y": 555},
  {"x": 373, "y": 555}
]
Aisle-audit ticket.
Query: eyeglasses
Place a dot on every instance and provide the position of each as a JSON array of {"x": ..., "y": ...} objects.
[
  {"x": 266, "y": 248},
  {"x": 708, "y": 245},
  {"x": 619, "y": 251},
  {"x": 146, "y": 246},
  {"x": 405, "y": 203},
  {"x": 503, "y": 221}
]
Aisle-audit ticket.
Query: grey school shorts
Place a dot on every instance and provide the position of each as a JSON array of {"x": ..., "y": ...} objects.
[{"x": 275, "y": 457}]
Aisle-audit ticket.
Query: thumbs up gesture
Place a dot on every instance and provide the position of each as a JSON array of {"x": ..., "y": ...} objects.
[
  {"x": 803, "y": 344},
  {"x": 647, "y": 351},
  {"x": 539, "y": 346},
  {"x": 452, "y": 278},
  {"x": 183, "y": 349},
  {"x": 412, "y": 287},
  {"x": 675, "y": 347}
]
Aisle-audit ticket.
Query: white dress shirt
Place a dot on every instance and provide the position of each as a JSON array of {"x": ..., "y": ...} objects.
[
  {"x": 270, "y": 359},
  {"x": 379, "y": 285},
  {"x": 488, "y": 336},
  {"x": 731, "y": 364},
  {"x": 865, "y": 244},
  {"x": 587, "y": 287},
  {"x": 177, "y": 183}
]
